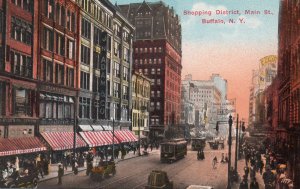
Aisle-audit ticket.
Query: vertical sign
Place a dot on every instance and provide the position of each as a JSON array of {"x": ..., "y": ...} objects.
[{"x": 102, "y": 84}]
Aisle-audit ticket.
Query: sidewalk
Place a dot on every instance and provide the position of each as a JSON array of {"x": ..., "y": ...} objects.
[{"x": 53, "y": 169}]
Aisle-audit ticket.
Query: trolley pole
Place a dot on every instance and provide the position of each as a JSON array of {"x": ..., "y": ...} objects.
[{"x": 229, "y": 153}]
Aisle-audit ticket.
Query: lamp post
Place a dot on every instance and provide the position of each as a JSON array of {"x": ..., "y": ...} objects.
[
  {"x": 236, "y": 143},
  {"x": 229, "y": 153}
]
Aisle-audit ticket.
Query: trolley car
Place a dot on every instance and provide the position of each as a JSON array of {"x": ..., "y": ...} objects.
[{"x": 173, "y": 150}]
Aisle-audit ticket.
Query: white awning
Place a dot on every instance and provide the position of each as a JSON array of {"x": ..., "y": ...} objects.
[
  {"x": 97, "y": 127},
  {"x": 86, "y": 127},
  {"x": 107, "y": 128}
]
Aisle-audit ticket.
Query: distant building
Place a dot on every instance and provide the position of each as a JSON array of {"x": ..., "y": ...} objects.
[
  {"x": 261, "y": 80},
  {"x": 157, "y": 54},
  {"x": 187, "y": 107},
  {"x": 206, "y": 97}
]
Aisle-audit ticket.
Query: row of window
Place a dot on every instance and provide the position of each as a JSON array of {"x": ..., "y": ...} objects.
[
  {"x": 26, "y": 5},
  {"x": 85, "y": 109},
  {"x": 21, "y": 64},
  {"x": 116, "y": 71},
  {"x": 54, "y": 106},
  {"x": 155, "y": 81},
  {"x": 21, "y": 30},
  {"x": 148, "y": 61},
  {"x": 97, "y": 12},
  {"x": 138, "y": 104},
  {"x": 154, "y": 121},
  {"x": 158, "y": 94},
  {"x": 155, "y": 106},
  {"x": 150, "y": 50},
  {"x": 62, "y": 16},
  {"x": 51, "y": 69},
  {"x": 141, "y": 88},
  {"x": 153, "y": 71},
  {"x": 172, "y": 86},
  {"x": 48, "y": 38},
  {"x": 198, "y": 92}
]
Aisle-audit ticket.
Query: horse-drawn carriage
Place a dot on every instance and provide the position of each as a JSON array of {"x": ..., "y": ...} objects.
[{"x": 103, "y": 170}]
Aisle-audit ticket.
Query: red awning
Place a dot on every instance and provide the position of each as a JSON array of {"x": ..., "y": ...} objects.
[
  {"x": 62, "y": 140},
  {"x": 125, "y": 136},
  {"x": 13, "y": 146},
  {"x": 98, "y": 138}
]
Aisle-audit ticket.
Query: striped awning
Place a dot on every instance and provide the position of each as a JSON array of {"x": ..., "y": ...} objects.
[
  {"x": 62, "y": 140},
  {"x": 14, "y": 146},
  {"x": 98, "y": 138},
  {"x": 125, "y": 136}
]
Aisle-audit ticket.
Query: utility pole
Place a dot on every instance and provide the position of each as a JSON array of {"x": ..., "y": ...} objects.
[
  {"x": 229, "y": 153},
  {"x": 113, "y": 140},
  {"x": 236, "y": 143}
]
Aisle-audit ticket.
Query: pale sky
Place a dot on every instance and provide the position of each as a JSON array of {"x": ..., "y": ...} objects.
[{"x": 232, "y": 50}]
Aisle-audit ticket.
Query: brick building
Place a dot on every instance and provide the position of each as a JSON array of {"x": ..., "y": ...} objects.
[
  {"x": 18, "y": 69},
  {"x": 157, "y": 54},
  {"x": 57, "y": 64},
  {"x": 289, "y": 84}
]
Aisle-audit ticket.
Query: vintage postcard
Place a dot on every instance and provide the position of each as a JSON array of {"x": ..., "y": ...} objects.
[{"x": 150, "y": 94}]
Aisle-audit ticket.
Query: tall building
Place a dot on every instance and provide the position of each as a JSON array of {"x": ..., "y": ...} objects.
[
  {"x": 104, "y": 91},
  {"x": 157, "y": 54},
  {"x": 289, "y": 86},
  {"x": 140, "y": 104}
]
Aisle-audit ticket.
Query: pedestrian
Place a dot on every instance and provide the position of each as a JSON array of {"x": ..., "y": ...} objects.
[
  {"x": 65, "y": 163},
  {"x": 254, "y": 184},
  {"x": 214, "y": 162},
  {"x": 75, "y": 168},
  {"x": 134, "y": 149},
  {"x": 269, "y": 178},
  {"x": 151, "y": 147},
  {"x": 244, "y": 183},
  {"x": 246, "y": 170},
  {"x": 40, "y": 168},
  {"x": 60, "y": 174}
]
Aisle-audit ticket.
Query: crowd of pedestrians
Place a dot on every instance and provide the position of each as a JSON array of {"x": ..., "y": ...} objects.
[{"x": 271, "y": 170}]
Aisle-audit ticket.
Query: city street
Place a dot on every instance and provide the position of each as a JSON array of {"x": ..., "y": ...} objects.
[{"x": 133, "y": 173}]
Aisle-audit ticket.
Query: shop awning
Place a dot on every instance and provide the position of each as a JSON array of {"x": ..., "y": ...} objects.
[
  {"x": 85, "y": 127},
  {"x": 62, "y": 140},
  {"x": 125, "y": 136},
  {"x": 98, "y": 138},
  {"x": 13, "y": 146}
]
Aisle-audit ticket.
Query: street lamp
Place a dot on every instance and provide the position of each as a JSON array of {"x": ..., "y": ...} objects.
[{"x": 229, "y": 153}]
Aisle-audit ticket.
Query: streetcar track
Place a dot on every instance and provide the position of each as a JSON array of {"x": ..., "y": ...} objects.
[{"x": 164, "y": 167}]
